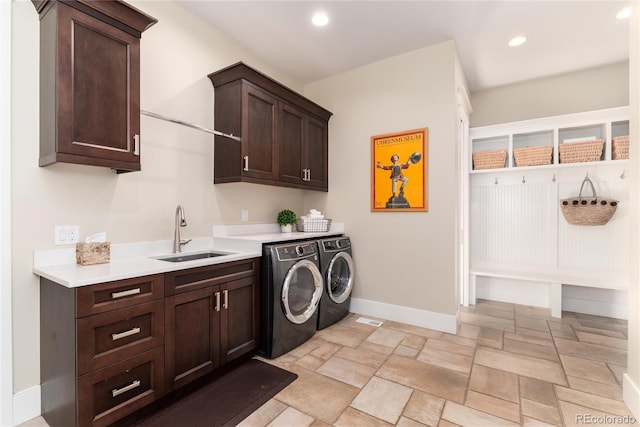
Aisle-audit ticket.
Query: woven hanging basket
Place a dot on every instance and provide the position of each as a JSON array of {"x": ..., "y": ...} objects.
[{"x": 588, "y": 210}]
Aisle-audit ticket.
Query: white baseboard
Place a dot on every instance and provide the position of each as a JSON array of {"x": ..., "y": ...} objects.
[
  {"x": 596, "y": 301},
  {"x": 631, "y": 395},
  {"x": 26, "y": 405},
  {"x": 597, "y": 308},
  {"x": 411, "y": 316}
]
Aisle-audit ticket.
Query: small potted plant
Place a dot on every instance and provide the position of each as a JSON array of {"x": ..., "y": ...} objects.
[{"x": 286, "y": 219}]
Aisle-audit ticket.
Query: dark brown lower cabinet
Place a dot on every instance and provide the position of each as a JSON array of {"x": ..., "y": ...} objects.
[
  {"x": 212, "y": 324},
  {"x": 192, "y": 347},
  {"x": 108, "y": 350}
]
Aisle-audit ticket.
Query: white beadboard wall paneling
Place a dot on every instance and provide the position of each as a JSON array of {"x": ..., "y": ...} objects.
[
  {"x": 597, "y": 249},
  {"x": 512, "y": 223},
  {"x": 516, "y": 220}
]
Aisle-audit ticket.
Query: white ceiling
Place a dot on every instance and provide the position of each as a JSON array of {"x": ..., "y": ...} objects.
[{"x": 562, "y": 36}]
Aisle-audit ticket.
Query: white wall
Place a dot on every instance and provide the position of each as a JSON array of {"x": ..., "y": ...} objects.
[
  {"x": 177, "y": 54},
  {"x": 402, "y": 259},
  {"x": 553, "y": 96},
  {"x": 631, "y": 389}
]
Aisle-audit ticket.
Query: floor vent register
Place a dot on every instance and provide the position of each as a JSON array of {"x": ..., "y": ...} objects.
[{"x": 376, "y": 323}]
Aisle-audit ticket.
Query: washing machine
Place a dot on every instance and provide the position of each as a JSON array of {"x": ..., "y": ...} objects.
[
  {"x": 336, "y": 266},
  {"x": 290, "y": 293}
]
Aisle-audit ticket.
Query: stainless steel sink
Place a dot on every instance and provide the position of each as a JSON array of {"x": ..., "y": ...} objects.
[{"x": 191, "y": 257}]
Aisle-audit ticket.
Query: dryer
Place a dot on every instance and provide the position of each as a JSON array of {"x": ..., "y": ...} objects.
[
  {"x": 336, "y": 266},
  {"x": 290, "y": 293}
]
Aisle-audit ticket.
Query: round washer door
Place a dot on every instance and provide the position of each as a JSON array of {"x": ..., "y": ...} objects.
[
  {"x": 301, "y": 291},
  {"x": 340, "y": 277}
]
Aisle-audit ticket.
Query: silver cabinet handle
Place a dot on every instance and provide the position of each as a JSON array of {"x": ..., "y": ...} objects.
[
  {"x": 217, "y": 307},
  {"x": 136, "y": 145},
  {"x": 246, "y": 163},
  {"x": 304, "y": 174},
  {"x": 308, "y": 174},
  {"x": 117, "y": 391},
  {"x": 125, "y": 334},
  {"x": 126, "y": 293},
  {"x": 225, "y": 305}
]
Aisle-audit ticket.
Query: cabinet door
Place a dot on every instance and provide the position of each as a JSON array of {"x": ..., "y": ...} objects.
[
  {"x": 292, "y": 135},
  {"x": 259, "y": 127},
  {"x": 98, "y": 85},
  {"x": 315, "y": 153},
  {"x": 239, "y": 322},
  {"x": 192, "y": 338}
]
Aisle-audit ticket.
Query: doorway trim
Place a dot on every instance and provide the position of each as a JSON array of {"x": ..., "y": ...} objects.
[{"x": 6, "y": 358}]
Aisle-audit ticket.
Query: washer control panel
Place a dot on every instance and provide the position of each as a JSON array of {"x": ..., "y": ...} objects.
[
  {"x": 297, "y": 250},
  {"x": 332, "y": 245}
]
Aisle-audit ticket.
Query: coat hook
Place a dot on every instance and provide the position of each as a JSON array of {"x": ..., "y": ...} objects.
[
  {"x": 496, "y": 181},
  {"x": 587, "y": 176},
  {"x": 523, "y": 181},
  {"x": 554, "y": 178},
  {"x": 622, "y": 175}
]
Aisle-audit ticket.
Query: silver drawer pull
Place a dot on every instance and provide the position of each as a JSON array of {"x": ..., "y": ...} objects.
[
  {"x": 118, "y": 391},
  {"x": 126, "y": 293},
  {"x": 246, "y": 163},
  {"x": 225, "y": 305},
  {"x": 217, "y": 307},
  {"x": 136, "y": 145},
  {"x": 125, "y": 334}
]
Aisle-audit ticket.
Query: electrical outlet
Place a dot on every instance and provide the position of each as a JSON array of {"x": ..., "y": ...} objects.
[
  {"x": 66, "y": 234},
  {"x": 245, "y": 215}
]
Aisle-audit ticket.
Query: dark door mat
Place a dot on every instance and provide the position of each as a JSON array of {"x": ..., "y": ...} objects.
[{"x": 225, "y": 401}]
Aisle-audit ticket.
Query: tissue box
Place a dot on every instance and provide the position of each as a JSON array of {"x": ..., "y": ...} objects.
[{"x": 93, "y": 253}]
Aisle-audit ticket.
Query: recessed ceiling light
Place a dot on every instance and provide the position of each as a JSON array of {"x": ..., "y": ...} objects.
[
  {"x": 517, "y": 41},
  {"x": 320, "y": 19},
  {"x": 624, "y": 13}
]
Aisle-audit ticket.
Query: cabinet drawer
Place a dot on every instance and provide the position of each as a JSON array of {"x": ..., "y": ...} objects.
[
  {"x": 106, "y": 338},
  {"x": 202, "y": 277},
  {"x": 109, "y": 394},
  {"x": 119, "y": 294}
]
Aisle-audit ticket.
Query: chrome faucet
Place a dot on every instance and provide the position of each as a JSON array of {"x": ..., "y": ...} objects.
[{"x": 180, "y": 222}]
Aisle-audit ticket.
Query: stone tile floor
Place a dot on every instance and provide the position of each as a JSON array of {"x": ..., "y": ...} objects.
[{"x": 508, "y": 365}]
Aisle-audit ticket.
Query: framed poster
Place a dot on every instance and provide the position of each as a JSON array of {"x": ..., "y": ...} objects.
[{"x": 399, "y": 171}]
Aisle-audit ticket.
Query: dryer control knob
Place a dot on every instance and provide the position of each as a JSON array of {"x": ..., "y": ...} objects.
[
  {"x": 300, "y": 250},
  {"x": 338, "y": 243}
]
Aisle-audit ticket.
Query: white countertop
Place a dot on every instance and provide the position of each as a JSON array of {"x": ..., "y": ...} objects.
[{"x": 139, "y": 259}]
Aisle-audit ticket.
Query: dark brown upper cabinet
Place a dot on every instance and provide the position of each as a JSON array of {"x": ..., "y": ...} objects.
[
  {"x": 90, "y": 83},
  {"x": 284, "y": 135}
]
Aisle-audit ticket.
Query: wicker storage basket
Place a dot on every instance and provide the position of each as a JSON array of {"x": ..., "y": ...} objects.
[
  {"x": 582, "y": 151},
  {"x": 313, "y": 224},
  {"x": 489, "y": 159},
  {"x": 588, "y": 210},
  {"x": 533, "y": 156},
  {"x": 93, "y": 253},
  {"x": 620, "y": 147}
]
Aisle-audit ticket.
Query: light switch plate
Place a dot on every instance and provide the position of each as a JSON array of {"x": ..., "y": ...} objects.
[{"x": 66, "y": 234}]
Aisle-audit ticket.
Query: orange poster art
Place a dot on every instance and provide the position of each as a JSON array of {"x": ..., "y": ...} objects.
[{"x": 399, "y": 171}]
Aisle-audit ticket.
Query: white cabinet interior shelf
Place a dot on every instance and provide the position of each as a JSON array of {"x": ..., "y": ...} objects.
[{"x": 553, "y": 132}]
